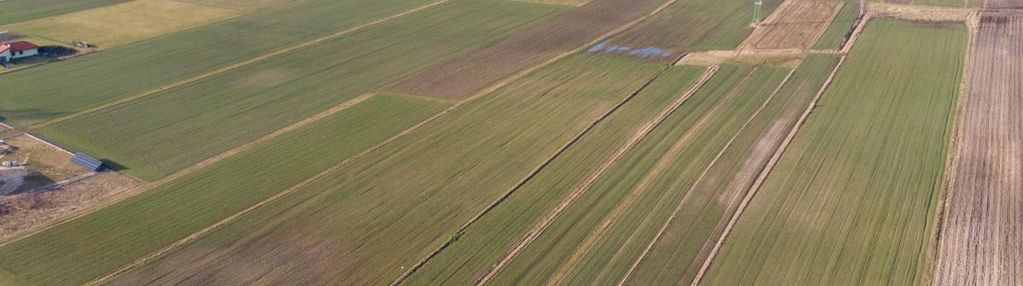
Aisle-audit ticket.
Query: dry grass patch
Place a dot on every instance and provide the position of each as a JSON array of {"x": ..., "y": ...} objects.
[{"x": 795, "y": 25}]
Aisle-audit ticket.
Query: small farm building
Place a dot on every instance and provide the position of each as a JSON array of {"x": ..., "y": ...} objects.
[
  {"x": 87, "y": 162},
  {"x": 5, "y": 53},
  {"x": 23, "y": 49}
]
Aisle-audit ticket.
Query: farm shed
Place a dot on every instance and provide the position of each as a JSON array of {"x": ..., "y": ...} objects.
[
  {"x": 87, "y": 162},
  {"x": 5, "y": 53},
  {"x": 23, "y": 49}
]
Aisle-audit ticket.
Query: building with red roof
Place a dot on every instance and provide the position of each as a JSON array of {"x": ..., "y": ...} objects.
[
  {"x": 5, "y": 53},
  {"x": 23, "y": 49}
]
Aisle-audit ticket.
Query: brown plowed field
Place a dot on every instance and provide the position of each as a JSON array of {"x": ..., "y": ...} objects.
[
  {"x": 982, "y": 238},
  {"x": 1000, "y": 4},
  {"x": 796, "y": 25},
  {"x": 462, "y": 76}
]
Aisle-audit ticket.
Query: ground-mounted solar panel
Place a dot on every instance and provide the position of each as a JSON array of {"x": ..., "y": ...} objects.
[{"x": 87, "y": 162}]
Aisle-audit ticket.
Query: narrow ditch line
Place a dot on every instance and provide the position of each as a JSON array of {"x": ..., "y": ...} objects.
[
  {"x": 763, "y": 174},
  {"x": 699, "y": 179},
  {"x": 935, "y": 257},
  {"x": 234, "y": 66},
  {"x": 546, "y": 221}
]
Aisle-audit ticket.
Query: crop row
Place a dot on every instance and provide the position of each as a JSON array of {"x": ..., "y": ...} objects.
[
  {"x": 852, "y": 199},
  {"x": 165, "y": 132}
]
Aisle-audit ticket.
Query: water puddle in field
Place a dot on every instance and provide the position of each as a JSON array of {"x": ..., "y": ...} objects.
[{"x": 647, "y": 52}]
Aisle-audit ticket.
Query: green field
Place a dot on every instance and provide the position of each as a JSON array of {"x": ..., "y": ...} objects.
[
  {"x": 852, "y": 200},
  {"x": 710, "y": 204},
  {"x": 841, "y": 26},
  {"x": 696, "y": 25},
  {"x": 393, "y": 207},
  {"x": 86, "y": 248},
  {"x": 177, "y": 128},
  {"x": 481, "y": 245},
  {"x": 33, "y": 95},
  {"x": 640, "y": 191},
  {"x": 13, "y": 11}
]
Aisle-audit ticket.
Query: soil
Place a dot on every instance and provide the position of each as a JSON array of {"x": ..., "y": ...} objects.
[
  {"x": 980, "y": 240},
  {"x": 45, "y": 207},
  {"x": 919, "y": 13},
  {"x": 795, "y": 25},
  {"x": 461, "y": 77}
]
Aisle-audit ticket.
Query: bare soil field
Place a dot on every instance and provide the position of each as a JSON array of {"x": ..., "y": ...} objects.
[
  {"x": 919, "y": 13},
  {"x": 980, "y": 240},
  {"x": 1001, "y": 4},
  {"x": 795, "y": 25},
  {"x": 465, "y": 75},
  {"x": 30, "y": 211}
]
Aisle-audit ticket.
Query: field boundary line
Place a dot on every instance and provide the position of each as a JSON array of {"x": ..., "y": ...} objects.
[
  {"x": 701, "y": 177},
  {"x": 746, "y": 44},
  {"x": 546, "y": 221},
  {"x": 195, "y": 167},
  {"x": 275, "y": 52},
  {"x": 766, "y": 171},
  {"x": 934, "y": 258}
]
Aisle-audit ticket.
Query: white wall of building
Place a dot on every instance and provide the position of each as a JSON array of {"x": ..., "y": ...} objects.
[
  {"x": 26, "y": 53},
  {"x": 6, "y": 55}
]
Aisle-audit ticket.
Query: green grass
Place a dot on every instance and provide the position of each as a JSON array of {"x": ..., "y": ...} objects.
[
  {"x": 91, "y": 246},
  {"x": 696, "y": 25},
  {"x": 947, "y": 3},
  {"x": 172, "y": 130},
  {"x": 55, "y": 90},
  {"x": 852, "y": 200},
  {"x": 678, "y": 255},
  {"x": 582, "y": 246},
  {"x": 484, "y": 243},
  {"x": 13, "y": 11},
  {"x": 843, "y": 23},
  {"x": 391, "y": 208}
]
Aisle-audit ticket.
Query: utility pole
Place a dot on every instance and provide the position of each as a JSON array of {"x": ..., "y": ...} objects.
[{"x": 758, "y": 11}]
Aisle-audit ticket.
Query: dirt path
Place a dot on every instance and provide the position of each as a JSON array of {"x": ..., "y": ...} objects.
[
  {"x": 934, "y": 256},
  {"x": 763, "y": 174},
  {"x": 234, "y": 66}
]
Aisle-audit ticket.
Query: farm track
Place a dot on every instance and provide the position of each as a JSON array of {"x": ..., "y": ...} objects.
[
  {"x": 231, "y": 67},
  {"x": 565, "y": 34},
  {"x": 550, "y": 217},
  {"x": 979, "y": 241},
  {"x": 764, "y": 173}
]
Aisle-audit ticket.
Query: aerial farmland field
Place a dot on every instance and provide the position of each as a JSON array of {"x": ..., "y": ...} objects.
[
  {"x": 984, "y": 200},
  {"x": 863, "y": 213},
  {"x": 510, "y": 142},
  {"x": 240, "y": 105}
]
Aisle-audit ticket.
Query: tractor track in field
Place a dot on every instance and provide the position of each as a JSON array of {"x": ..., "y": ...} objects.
[
  {"x": 638, "y": 135},
  {"x": 703, "y": 174},
  {"x": 766, "y": 171},
  {"x": 234, "y": 66}
]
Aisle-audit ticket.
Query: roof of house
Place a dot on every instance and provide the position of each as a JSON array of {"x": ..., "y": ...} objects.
[
  {"x": 22, "y": 45},
  {"x": 4, "y": 47}
]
